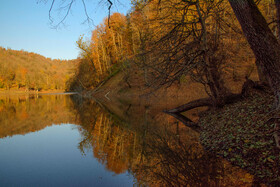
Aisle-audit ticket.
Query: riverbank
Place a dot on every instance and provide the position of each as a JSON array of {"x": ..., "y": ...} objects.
[
  {"x": 241, "y": 133},
  {"x": 238, "y": 132},
  {"x": 137, "y": 93},
  {"x": 23, "y": 92}
]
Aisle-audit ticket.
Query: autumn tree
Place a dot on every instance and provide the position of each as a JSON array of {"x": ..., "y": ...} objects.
[
  {"x": 22, "y": 70},
  {"x": 188, "y": 38},
  {"x": 262, "y": 41},
  {"x": 106, "y": 53},
  {"x": 192, "y": 32}
]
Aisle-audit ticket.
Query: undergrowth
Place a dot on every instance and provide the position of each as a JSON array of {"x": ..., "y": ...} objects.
[{"x": 240, "y": 133}]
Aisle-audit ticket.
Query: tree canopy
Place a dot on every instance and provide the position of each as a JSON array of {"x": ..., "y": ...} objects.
[{"x": 23, "y": 70}]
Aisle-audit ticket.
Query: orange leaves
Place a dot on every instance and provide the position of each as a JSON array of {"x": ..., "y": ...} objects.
[
  {"x": 24, "y": 71},
  {"x": 106, "y": 50}
]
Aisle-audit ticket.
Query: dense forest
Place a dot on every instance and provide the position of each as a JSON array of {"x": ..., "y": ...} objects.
[
  {"x": 219, "y": 58},
  {"x": 170, "y": 41},
  {"x": 26, "y": 71},
  {"x": 230, "y": 48}
]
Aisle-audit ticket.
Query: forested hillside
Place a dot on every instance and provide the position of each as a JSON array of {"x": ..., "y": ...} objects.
[
  {"x": 170, "y": 42},
  {"x": 21, "y": 70},
  {"x": 214, "y": 65},
  {"x": 230, "y": 49}
]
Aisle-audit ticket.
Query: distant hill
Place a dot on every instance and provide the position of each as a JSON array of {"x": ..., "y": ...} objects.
[{"x": 21, "y": 70}]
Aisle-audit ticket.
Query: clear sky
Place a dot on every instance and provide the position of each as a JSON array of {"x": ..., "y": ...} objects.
[{"x": 25, "y": 24}]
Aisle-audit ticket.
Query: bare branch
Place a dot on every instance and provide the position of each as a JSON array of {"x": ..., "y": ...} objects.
[
  {"x": 109, "y": 8},
  {"x": 50, "y": 11},
  {"x": 89, "y": 20},
  {"x": 68, "y": 7}
]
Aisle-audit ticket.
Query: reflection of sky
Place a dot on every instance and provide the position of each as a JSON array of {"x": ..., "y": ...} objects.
[
  {"x": 51, "y": 157},
  {"x": 25, "y": 25}
]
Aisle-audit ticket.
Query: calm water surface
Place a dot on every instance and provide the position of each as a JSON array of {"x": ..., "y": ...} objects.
[{"x": 64, "y": 140}]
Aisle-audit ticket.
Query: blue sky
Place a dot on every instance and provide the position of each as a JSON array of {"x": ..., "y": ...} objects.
[{"x": 25, "y": 24}]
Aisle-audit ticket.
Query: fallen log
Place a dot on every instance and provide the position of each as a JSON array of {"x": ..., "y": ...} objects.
[
  {"x": 231, "y": 98},
  {"x": 228, "y": 99}
]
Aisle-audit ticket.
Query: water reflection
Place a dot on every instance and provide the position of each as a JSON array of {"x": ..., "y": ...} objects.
[
  {"x": 155, "y": 148},
  {"x": 126, "y": 139},
  {"x": 22, "y": 114}
]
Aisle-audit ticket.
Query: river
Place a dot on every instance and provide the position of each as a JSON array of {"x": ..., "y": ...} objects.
[{"x": 66, "y": 140}]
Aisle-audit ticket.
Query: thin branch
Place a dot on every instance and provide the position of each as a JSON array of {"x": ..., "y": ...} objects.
[
  {"x": 89, "y": 20},
  {"x": 109, "y": 8},
  {"x": 50, "y": 11},
  {"x": 67, "y": 13}
]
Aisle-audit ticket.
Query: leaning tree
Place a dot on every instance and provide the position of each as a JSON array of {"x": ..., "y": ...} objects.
[{"x": 263, "y": 43}]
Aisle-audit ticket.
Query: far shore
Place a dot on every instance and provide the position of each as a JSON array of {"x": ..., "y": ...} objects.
[{"x": 32, "y": 92}]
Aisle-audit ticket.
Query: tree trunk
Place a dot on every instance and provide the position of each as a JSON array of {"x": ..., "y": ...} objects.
[
  {"x": 228, "y": 99},
  {"x": 216, "y": 85},
  {"x": 262, "y": 78},
  {"x": 277, "y": 5},
  {"x": 262, "y": 41},
  {"x": 217, "y": 88}
]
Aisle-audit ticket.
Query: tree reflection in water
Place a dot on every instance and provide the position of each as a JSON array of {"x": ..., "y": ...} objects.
[
  {"x": 156, "y": 149},
  {"x": 22, "y": 114}
]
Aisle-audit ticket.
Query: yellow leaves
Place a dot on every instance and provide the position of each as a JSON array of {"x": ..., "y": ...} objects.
[
  {"x": 270, "y": 160},
  {"x": 219, "y": 177},
  {"x": 247, "y": 178}
]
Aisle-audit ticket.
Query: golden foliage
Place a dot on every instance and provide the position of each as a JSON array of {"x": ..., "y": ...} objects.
[{"x": 21, "y": 70}]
